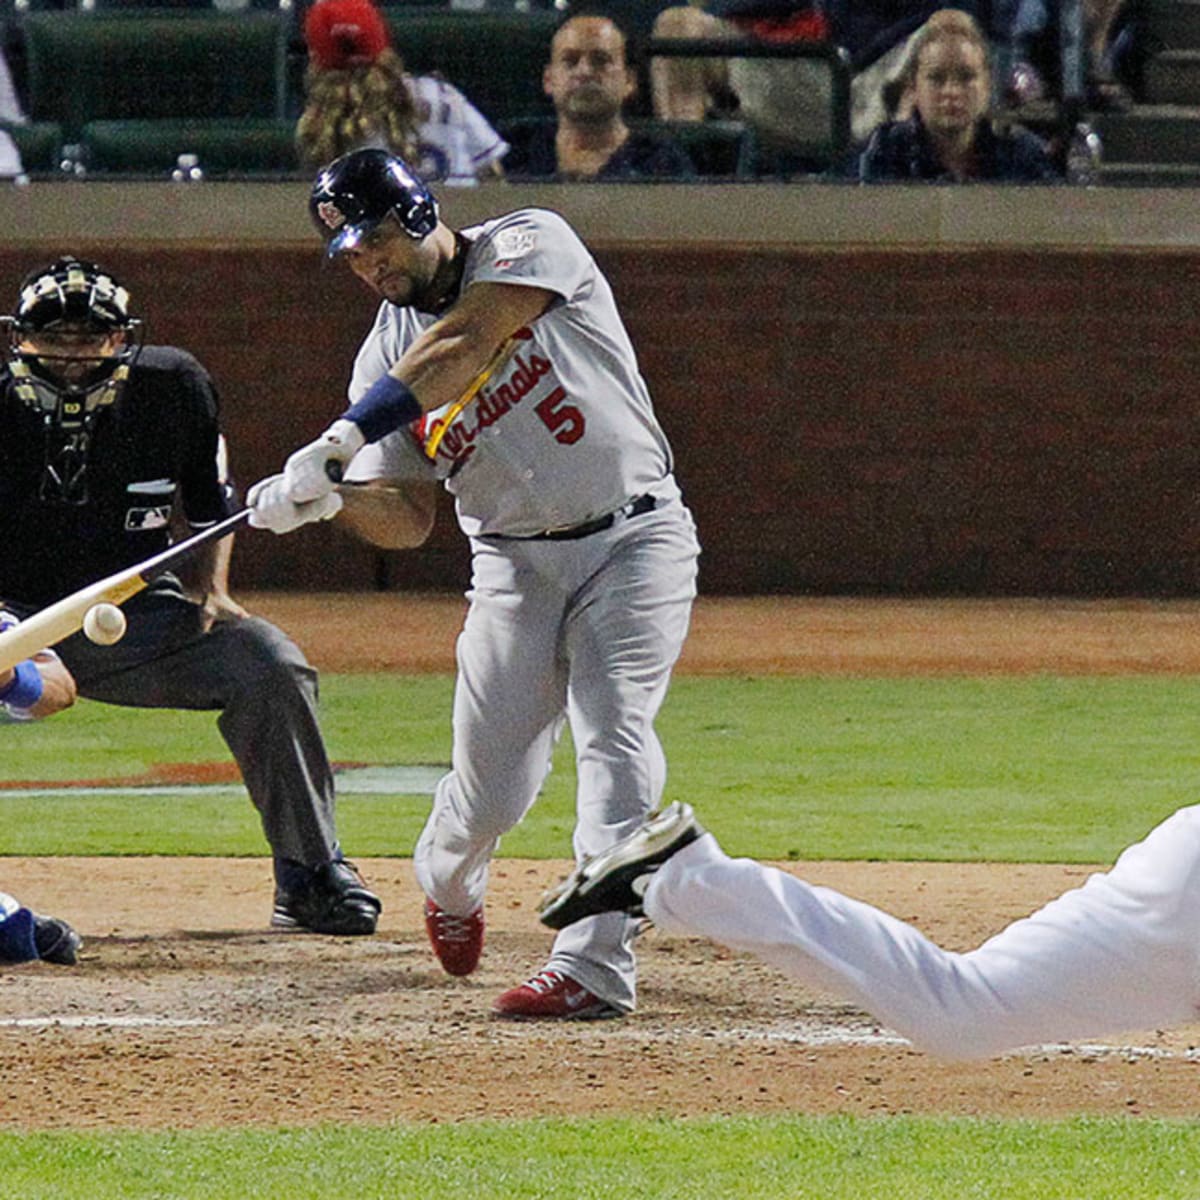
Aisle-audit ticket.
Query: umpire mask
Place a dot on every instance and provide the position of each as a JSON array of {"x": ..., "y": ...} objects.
[{"x": 71, "y": 346}]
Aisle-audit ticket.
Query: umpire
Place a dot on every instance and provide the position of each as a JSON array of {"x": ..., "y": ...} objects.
[{"x": 105, "y": 444}]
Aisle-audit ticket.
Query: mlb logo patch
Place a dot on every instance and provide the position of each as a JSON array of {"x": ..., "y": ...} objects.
[{"x": 141, "y": 519}]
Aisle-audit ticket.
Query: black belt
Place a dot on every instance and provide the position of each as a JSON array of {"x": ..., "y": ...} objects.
[{"x": 635, "y": 508}]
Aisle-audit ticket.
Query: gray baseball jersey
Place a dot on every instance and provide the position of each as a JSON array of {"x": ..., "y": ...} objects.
[{"x": 565, "y": 430}]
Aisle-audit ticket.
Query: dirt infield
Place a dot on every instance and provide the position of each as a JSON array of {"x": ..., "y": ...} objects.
[{"x": 186, "y": 1012}]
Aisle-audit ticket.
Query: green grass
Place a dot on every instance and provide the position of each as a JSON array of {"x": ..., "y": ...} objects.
[
  {"x": 1030, "y": 769},
  {"x": 830, "y": 1158},
  {"x": 1034, "y": 769}
]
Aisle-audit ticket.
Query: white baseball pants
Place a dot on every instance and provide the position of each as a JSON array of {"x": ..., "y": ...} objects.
[{"x": 1120, "y": 953}]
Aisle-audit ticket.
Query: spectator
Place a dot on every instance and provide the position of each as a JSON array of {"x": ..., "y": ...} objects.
[
  {"x": 358, "y": 95},
  {"x": 11, "y": 113},
  {"x": 590, "y": 81},
  {"x": 1034, "y": 32},
  {"x": 948, "y": 138},
  {"x": 787, "y": 101}
]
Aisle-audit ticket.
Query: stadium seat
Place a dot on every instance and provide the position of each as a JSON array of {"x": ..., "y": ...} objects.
[
  {"x": 719, "y": 149},
  {"x": 39, "y": 143},
  {"x": 164, "y": 65},
  {"x": 494, "y": 58},
  {"x": 251, "y": 146},
  {"x": 817, "y": 145}
]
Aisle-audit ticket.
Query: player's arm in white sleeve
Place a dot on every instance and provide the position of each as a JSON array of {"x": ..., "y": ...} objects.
[
  {"x": 441, "y": 364},
  {"x": 438, "y": 367},
  {"x": 516, "y": 278},
  {"x": 38, "y": 687}
]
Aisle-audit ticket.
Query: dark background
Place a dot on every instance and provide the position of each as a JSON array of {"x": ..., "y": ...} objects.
[{"x": 904, "y": 420}]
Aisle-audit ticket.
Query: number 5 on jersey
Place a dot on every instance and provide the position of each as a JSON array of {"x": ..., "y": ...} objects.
[{"x": 563, "y": 420}]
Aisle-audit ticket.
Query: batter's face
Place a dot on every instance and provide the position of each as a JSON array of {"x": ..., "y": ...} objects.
[
  {"x": 951, "y": 86},
  {"x": 399, "y": 268},
  {"x": 587, "y": 77}
]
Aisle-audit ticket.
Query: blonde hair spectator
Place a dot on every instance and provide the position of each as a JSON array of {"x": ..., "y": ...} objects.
[{"x": 358, "y": 95}]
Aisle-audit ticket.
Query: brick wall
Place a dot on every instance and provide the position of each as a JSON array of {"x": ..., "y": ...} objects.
[{"x": 1003, "y": 421}]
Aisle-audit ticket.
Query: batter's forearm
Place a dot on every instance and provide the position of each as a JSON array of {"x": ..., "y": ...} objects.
[
  {"x": 444, "y": 361},
  {"x": 391, "y": 517},
  {"x": 53, "y": 684}
]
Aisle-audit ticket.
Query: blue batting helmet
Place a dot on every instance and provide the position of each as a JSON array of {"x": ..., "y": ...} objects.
[{"x": 354, "y": 193}]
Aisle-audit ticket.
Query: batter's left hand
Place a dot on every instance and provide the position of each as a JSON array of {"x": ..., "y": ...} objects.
[
  {"x": 312, "y": 471},
  {"x": 273, "y": 508}
]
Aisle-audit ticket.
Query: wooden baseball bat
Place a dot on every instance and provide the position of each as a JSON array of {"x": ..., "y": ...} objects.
[
  {"x": 62, "y": 618},
  {"x": 503, "y": 353}
]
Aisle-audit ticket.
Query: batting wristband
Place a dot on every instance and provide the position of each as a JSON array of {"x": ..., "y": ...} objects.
[
  {"x": 386, "y": 405},
  {"x": 24, "y": 690}
]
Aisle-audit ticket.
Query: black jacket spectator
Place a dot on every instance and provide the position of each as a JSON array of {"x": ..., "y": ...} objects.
[
  {"x": 903, "y": 151},
  {"x": 643, "y": 156}
]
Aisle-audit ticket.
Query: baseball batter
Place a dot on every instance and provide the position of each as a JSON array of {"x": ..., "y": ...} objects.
[
  {"x": 583, "y": 553},
  {"x": 1120, "y": 953}
]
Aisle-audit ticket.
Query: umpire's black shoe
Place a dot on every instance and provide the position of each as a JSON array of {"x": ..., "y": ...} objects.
[
  {"x": 56, "y": 941},
  {"x": 615, "y": 880},
  {"x": 329, "y": 899}
]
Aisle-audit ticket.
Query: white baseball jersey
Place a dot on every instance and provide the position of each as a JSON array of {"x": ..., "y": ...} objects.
[
  {"x": 564, "y": 431},
  {"x": 10, "y": 110},
  {"x": 455, "y": 140}
]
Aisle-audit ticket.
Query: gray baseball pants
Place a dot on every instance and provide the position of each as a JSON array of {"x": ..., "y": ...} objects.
[
  {"x": 584, "y": 630},
  {"x": 258, "y": 679}
]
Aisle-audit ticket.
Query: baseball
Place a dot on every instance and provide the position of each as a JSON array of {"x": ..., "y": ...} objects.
[{"x": 104, "y": 624}]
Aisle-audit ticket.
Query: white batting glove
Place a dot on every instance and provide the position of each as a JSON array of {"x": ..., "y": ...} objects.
[
  {"x": 307, "y": 474},
  {"x": 272, "y": 508}
]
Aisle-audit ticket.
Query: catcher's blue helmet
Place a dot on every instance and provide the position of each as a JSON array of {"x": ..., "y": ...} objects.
[{"x": 354, "y": 193}]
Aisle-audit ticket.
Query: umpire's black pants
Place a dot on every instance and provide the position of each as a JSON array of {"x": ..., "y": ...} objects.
[{"x": 255, "y": 675}]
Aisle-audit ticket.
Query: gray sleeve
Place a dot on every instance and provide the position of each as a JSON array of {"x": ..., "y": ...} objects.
[
  {"x": 396, "y": 456},
  {"x": 536, "y": 248}
]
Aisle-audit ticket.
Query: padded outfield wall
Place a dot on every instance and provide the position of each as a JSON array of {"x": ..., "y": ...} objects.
[{"x": 915, "y": 391}]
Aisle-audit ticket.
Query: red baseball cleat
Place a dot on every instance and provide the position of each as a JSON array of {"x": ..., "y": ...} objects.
[
  {"x": 457, "y": 941},
  {"x": 551, "y": 995}
]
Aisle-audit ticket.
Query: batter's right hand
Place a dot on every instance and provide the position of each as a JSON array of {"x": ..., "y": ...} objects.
[
  {"x": 271, "y": 507},
  {"x": 312, "y": 470}
]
